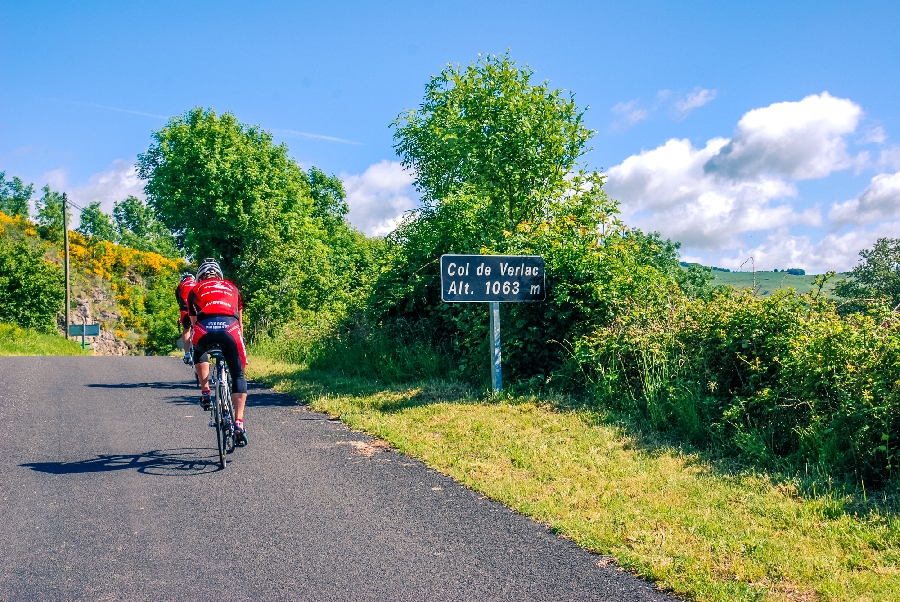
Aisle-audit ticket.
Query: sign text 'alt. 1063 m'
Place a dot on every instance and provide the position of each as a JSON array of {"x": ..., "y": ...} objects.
[{"x": 492, "y": 278}]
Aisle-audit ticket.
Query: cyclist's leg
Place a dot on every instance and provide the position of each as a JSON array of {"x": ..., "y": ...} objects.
[
  {"x": 201, "y": 361},
  {"x": 185, "y": 323},
  {"x": 232, "y": 354},
  {"x": 236, "y": 358}
]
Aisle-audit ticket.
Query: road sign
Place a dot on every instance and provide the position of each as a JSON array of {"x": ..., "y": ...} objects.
[
  {"x": 492, "y": 278},
  {"x": 87, "y": 330}
]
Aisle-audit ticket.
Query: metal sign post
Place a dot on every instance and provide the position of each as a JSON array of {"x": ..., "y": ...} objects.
[
  {"x": 493, "y": 279},
  {"x": 65, "y": 202},
  {"x": 496, "y": 372}
]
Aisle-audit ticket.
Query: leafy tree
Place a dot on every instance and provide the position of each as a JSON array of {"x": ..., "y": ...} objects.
[
  {"x": 227, "y": 191},
  {"x": 877, "y": 276},
  {"x": 495, "y": 159},
  {"x": 328, "y": 199},
  {"x": 31, "y": 289},
  {"x": 14, "y": 196},
  {"x": 96, "y": 223},
  {"x": 138, "y": 227},
  {"x": 50, "y": 215},
  {"x": 486, "y": 125}
]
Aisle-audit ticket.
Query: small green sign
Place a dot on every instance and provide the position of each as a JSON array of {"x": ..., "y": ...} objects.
[{"x": 84, "y": 330}]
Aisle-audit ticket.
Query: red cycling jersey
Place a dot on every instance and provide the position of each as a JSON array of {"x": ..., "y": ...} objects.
[
  {"x": 182, "y": 291},
  {"x": 215, "y": 298}
]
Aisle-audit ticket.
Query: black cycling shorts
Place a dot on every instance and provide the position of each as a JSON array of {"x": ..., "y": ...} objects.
[{"x": 215, "y": 332}]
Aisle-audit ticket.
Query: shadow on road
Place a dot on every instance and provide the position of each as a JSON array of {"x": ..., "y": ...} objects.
[
  {"x": 185, "y": 385},
  {"x": 169, "y": 462}
]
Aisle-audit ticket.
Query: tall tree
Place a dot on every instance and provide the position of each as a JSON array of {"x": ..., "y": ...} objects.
[
  {"x": 329, "y": 204},
  {"x": 50, "y": 214},
  {"x": 96, "y": 223},
  {"x": 488, "y": 126},
  {"x": 877, "y": 275},
  {"x": 227, "y": 191},
  {"x": 14, "y": 196},
  {"x": 138, "y": 227}
]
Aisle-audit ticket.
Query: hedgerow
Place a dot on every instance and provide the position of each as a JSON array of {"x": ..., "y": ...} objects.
[{"x": 783, "y": 381}]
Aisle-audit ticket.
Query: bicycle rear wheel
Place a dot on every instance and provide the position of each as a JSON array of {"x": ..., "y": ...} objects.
[
  {"x": 218, "y": 417},
  {"x": 224, "y": 394}
]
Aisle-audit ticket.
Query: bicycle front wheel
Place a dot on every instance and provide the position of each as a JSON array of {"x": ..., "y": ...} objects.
[
  {"x": 224, "y": 394},
  {"x": 220, "y": 423}
]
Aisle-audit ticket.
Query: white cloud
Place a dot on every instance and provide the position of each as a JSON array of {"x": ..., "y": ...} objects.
[
  {"x": 874, "y": 135},
  {"x": 379, "y": 197},
  {"x": 694, "y": 100},
  {"x": 719, "y": 198},
  {"x": 891, "y": 157},
  {"x": 668, "y": 189},
  {"x": 56, "y": 179},
  {"x": 799, "y": 140},
  {"x": 113, "y": 184},
  {"x": 108, "y": 186},
  {"x": 629, "y": 114},
  {"x": 879, "y": 201}
]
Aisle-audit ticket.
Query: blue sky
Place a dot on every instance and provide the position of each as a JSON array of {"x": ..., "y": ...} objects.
[{"x": 764, "y": 129}]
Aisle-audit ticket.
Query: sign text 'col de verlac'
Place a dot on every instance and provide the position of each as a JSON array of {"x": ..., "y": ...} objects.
[{"x": 492, "y": 278}]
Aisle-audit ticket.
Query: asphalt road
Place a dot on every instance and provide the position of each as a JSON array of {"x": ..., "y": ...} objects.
[{"x": 110, "y": 490}]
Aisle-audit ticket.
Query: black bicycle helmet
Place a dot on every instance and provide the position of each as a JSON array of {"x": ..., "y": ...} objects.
[
  {"x": 209, "y": 268},
  {"x": 186, "y": 275}
]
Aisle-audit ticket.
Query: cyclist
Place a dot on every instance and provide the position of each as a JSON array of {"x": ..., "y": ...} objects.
[
  {"x": 215, "y": 307},
  {"x": 181, "y": 294}
]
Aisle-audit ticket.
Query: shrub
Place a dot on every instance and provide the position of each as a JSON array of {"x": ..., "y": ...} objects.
[
  {"x": 780, "y": 381},
  {"x": 32, "y": 291}
]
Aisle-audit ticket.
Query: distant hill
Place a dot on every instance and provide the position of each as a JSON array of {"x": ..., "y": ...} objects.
[{"x": 769, "y": 282}]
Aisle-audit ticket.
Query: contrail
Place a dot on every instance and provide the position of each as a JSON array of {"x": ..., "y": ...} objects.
[
  {"x": 296, "y": 134},
  {"x": 90, "y": 104}
]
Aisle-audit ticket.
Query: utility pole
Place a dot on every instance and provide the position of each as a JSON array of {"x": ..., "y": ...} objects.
[{"x": 65, "y": 209}]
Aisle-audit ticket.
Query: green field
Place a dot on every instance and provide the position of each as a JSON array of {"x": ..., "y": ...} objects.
[{"x": 766, "y": 283}]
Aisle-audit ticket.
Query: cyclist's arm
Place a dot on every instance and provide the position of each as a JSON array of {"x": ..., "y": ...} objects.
[{"x": 192, "y": 307}]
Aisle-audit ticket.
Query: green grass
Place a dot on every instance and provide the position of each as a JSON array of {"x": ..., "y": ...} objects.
[
  {"x": 767, "y": 283},
  {"x": 696, "y": 529},
  {"x": 23, "y": 341}
]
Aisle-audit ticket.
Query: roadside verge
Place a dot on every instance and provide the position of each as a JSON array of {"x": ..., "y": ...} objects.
[{"x": 661, "y": 513}]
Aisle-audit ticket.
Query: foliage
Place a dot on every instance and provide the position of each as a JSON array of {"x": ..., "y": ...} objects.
[
  {"x": 25, "y": 341},
  {"x": 132, "y": 224},
  {"x": 50, "y": 215},
  {"x": 31, "y": 289},
  {"x": 143, "y": 283},
  {"x": 137, "y": 227},
  {"x": 877, "y": 276},
  {"x": 14, "y": 196},
  {"x": 96, "y": 224},
  {"x": 782, "y": 381},
  {"x": 487, "y": 126},
  {"x": 228, "y": 192},
  {"x": 495, "y": 159}
]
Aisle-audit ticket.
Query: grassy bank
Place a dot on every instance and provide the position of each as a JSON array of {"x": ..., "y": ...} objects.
[
  {"x": 692, "y": 527},
  {"x": 23, "y": 341}
]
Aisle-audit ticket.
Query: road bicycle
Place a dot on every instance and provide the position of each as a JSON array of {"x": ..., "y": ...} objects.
[{"x": 221, "y": 409}]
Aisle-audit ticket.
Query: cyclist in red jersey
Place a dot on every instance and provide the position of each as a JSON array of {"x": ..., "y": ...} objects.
[
  {"x": 181, "y": 294},
  {"x": 215, "y": 308}
]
